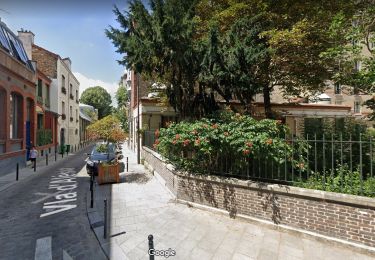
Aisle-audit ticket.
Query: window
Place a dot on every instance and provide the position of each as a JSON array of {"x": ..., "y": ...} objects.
[
  {"x": 16, "y": 113},
  {"x": 71, "y": 89},
  {"x": 40, "y": 88},
  {"x": 3, "y": 96},
  {"x": 62, "y": 107},
  {"x": 3, "y": 40},
  {"x": 337, "y": 88},
  {"x": 76, "y": 94},
  {"x": 40, "y": 121},
  {"x": 47, "y": 92},
  {"x": 71, "y": 111},
  {"x": 357, "y": 107},
  {"x": 77, "y": 114},
  {"x": 63, "y": 81},
  {"x": 17, "y": 48}
]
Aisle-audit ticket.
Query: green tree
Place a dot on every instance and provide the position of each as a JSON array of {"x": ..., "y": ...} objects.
[
  {"x": 160, "y": 43},
  {"x": 121, "y": 96},
  {"x": 99, "y": 98},
  {"x": 107, "y": 128}
]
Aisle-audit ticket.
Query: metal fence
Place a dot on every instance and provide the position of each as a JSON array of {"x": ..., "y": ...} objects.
[{"x": 328, "y": 163}]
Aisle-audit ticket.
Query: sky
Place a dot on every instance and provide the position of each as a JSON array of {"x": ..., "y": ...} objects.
[{"x": 74, "y": 29}]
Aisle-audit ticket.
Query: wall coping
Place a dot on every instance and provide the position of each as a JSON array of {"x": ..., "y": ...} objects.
[{"x": 346, "y": 199}]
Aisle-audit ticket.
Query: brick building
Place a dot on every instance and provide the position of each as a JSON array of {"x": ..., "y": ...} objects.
[
  {"x": 63, "y": 90},
  {"x": 17, "y": 101}
]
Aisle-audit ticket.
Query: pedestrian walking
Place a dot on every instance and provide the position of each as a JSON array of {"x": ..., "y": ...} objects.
[{"x": 33, "y": 155}]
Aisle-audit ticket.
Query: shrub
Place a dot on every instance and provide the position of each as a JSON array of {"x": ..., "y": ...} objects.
[
  {"x": 199, "y": 146},
  {"x": 342, "y": 180}
]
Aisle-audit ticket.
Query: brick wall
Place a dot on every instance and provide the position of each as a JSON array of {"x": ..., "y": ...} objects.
[
  {"x": 342, "y": 216},
  {"x": 46, "y": 62},
  {"x": 165, "y": 171}
]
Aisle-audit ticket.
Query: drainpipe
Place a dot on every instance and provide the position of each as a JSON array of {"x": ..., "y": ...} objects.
[{"x": 138, "y": 135}]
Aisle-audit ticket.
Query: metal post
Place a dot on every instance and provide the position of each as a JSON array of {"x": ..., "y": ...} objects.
[
  {"x": 324, "y": 164},
  {"x": 55, "y": 155},
  {"x": 138, "y": 134},
  {"x": 35, "y": 165},
  {"x": 151, "y": 246},
  {"x": 92, "y": 190},
  {"x": 127, "y": 164},
  {"x": 17, "y": 170},
  {"x": 105, "y": 219},
  {"x": 360, "y": 162},
  {"x": 46, "y": 158}
]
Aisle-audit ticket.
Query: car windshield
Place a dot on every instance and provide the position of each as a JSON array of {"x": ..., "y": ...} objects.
[{"x": 103, "y": 149}]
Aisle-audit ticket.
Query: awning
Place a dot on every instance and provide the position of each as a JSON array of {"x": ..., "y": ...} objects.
[{"x": 39, "y": 109}]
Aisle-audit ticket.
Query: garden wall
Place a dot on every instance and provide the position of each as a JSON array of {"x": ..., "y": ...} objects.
[{"x": 342, "y": 216}]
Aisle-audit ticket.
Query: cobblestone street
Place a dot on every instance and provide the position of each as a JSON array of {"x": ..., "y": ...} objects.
[{"x": 35, "y": 226}]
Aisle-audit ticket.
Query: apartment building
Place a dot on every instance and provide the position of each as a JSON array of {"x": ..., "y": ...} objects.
[{"x": 64, "y": 89}]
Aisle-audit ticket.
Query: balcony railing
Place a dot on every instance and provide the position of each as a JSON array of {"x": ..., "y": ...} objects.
[
  {"x": 71, "y": 97},
  {"x": 63, "y": 116},
  {"x": 63, "y": 90},
  {"x": 46, "y": 102},
  {"x": 39, "y": 100},
  {"x": 43, "y": 137}
]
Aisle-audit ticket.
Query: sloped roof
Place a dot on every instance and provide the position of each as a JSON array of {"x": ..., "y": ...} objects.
[{"x": 12, "y": 45}]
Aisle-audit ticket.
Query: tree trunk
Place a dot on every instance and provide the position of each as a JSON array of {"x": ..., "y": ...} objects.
[{"x": 267, "y": 102}]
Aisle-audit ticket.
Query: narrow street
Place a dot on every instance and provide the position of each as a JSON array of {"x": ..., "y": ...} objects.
[{"x": 44, "y": 217}]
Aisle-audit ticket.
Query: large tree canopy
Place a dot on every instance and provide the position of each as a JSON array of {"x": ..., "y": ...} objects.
[
  {"x": 99, "y": 98},
  {"x": 203, "y": 49}
]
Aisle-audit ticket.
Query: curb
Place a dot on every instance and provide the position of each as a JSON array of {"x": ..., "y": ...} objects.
[{"x": 96, "y": 223}]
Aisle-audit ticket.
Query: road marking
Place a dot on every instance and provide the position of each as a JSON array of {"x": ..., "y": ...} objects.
[
  {"x": 43, "y": 249},
  {"x": 46, "y": 196},
  {"x": 63, "y": 181},
  {"x": 66, "y": 256}
]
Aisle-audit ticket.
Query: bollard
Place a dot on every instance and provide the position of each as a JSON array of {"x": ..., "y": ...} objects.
[
  {"x": 151, "y": 247},
  {"x": 105, "y": 219},
  {"x": 46, "y": 158},
  {"x": 55, "y": 156},
  {"x": 17, "y": 169},
  {"x": 127, "y": 164},
  {"x": 92, "y": 191},
  {"x": 62, "y": 154},
  {"x": 35, "y": 165}
]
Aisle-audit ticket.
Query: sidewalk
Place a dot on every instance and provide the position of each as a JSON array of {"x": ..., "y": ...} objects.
[
  {"x": 140, "y": 205},
  {"x": 27, "y": 172}
]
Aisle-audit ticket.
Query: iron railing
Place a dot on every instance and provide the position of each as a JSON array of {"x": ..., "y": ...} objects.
[{"x": 331, "y": 163}]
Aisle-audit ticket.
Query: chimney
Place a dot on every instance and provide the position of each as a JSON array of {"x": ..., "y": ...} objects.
[
  {"x": 27, "y": 39},
  {"x": 68, "y": 62}
]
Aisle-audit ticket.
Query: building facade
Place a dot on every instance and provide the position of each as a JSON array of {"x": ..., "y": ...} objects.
[
  {"x": 64, "y": 89},
  {"x": 87, "y": 115},
  {"x": 46, "y": 118},
  {"x": 17, "y": 101}
]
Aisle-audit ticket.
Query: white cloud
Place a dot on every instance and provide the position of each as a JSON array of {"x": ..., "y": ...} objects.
[{"x": 85, "y": 82}]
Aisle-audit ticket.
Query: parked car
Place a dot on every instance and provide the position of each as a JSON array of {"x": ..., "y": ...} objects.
[{"x": 102, "y": 152}]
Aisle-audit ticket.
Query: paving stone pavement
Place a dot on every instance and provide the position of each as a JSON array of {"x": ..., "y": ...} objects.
[{"x": 141, "y": 205}]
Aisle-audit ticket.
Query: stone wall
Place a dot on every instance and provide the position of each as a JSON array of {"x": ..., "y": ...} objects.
[{"x": 342, "y": 216}]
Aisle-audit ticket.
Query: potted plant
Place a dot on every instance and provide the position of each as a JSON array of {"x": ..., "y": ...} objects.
[{"x": 107, "y": 129}]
